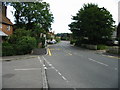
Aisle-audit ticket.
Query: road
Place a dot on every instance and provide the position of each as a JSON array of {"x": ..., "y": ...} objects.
[
  {"x": 68, "y": 66},
  {"x": 65, "y": 66}
]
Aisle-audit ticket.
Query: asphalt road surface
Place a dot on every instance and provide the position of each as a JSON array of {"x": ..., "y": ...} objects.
[{"x": 68, "y": 66}]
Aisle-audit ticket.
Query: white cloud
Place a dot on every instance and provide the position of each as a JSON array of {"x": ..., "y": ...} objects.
[
  {"x": 9, "y": 13},
  {"x": 64, "y": 9}
]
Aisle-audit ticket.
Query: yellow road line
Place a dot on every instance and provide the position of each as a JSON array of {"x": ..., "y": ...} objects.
[
  {"x": 49, "y": 52},
  {"x": 113, "y": 57}
]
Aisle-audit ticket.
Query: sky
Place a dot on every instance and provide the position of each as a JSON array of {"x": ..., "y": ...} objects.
[{"x": 63, "y": 10}]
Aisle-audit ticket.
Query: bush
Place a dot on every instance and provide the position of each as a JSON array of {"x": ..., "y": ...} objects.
[
  {"x": 101, "y": 47},
  {"x": 25, "y": 45},
  {"x": 72, "y": 41},
  {"x": 16, "y": 36},
  {"x": 7, "y": 49},
  {"x": 57, "y": 39}
]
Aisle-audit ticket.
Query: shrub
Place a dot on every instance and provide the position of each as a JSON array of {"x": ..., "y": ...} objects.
[
  {"x": 25, "y": 45},
  {"x": 7, "y": 49},
  {"x": 57, "y": 39},
  {"x": 18, "y": 33},
  {"x": 101, "y": 47},
  {"x": 72, "y": 41}
]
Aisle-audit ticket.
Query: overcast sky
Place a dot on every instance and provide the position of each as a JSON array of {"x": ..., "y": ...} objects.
[{"x": 63, "y": 10}]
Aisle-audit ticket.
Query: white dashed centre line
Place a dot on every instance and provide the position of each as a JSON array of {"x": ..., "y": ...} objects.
[
  {"x": 97, "y": 62},
  {"x": 27, "y": 69},
  {"x": 116, "y": 69},
  {"x": 55, "y": 69}
]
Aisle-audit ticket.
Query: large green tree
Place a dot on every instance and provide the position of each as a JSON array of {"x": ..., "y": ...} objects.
[
  {"x": 33, "y": 14},
  {"x": 92, "y": 22}
]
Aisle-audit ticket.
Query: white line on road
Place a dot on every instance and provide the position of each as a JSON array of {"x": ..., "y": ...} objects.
[
  {"x": 97, "y": 62},
  {"x": 116, "y": 68},
  {"x": 27, "y": 69},
  {"x": 64, "y": 78},
  {"x": 55, "y": 70},
  {"x": 59, "y": 73},
  {"x": 45, "y": 83}
]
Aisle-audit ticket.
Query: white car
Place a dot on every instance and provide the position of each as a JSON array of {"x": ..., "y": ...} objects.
[{"x": 52, "y": 42}]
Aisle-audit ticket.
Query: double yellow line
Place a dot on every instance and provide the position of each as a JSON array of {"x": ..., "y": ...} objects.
[{"x": 49, "y": 52}]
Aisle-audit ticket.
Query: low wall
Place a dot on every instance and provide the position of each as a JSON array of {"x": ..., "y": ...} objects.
[
  {"x": 113, "y": 50},
  {"x": 92, "y": 47}
]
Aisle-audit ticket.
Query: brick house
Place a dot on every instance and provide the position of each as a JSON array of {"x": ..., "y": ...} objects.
[{"x": 6, "y": 26}]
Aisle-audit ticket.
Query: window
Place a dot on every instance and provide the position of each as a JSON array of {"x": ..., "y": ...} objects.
[{"x": 8, "y": 28}]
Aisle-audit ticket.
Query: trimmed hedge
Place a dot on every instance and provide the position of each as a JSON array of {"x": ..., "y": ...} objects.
[
  {"x": 25, "y": 45},
  {"x": 101, "y": 47},
  {"x": 72, "y": 41},
  {"x": 7, "y": 49},
  {"x": 19, "y": 43}
]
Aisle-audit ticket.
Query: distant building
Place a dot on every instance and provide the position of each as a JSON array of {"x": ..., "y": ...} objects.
[{"x": 6, "y": 26}]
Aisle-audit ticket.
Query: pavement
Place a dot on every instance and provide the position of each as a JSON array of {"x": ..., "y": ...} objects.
[{"x": 24, "y": 71}]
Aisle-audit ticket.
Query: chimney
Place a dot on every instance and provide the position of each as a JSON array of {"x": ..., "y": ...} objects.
[{"x": 4, "y": 10}]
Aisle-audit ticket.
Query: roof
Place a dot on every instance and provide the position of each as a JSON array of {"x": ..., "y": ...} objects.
[
  {"x": 2, "y": 33},
  {"x": 5, "y": 20}
]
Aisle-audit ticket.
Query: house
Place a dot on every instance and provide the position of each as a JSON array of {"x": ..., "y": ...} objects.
[{"x": 6, "y": 26}]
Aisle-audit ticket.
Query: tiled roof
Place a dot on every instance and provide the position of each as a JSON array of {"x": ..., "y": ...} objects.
[{"x": 5, "y": 20}]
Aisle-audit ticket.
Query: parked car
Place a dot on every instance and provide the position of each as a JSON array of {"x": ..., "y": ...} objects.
[{"x": 52, "y": 42}]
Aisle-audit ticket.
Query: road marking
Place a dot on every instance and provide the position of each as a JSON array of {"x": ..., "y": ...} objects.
[
  {"x": 112, "y": 56},
  {"x": 55, "y": 69},
  {"x": 116, "y": 69},
  {"x": 97, "y": 62},
  {"x": 59, "y": 73},
  {"x": 49, "y": 52},
  {"x": 45, "y": 67},
  {"x": 45, "y": 82},
  {"x": 50, "y": 64},
  {"x": 27, "y": 69},
  {"x": 64, "y": 78}
]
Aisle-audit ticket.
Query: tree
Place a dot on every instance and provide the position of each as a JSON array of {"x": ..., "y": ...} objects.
[
  {"x": 33, "y": 14},
  {"x": 92, "y": 22}
]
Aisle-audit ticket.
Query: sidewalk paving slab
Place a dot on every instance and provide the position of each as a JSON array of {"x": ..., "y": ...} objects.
[{"x": 23, "y": 71}]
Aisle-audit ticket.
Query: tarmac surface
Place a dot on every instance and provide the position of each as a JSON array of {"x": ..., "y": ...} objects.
[{"x": 24, "y": 71}]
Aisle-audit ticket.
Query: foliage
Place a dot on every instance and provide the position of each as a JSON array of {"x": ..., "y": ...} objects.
[
  {"x": 7, "y": 49},
  {"x": 57, "y": 39},
  {"x": 101, "y": 47},
  {"x": 92, "y": 22},
  {"x": 32, "y": 14},
  {"x": 20, "y": 42},
  {"x": 25, "y": 45},
  {"x": 18, "y": 34},
  {"x": 73, "y": 41}
]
